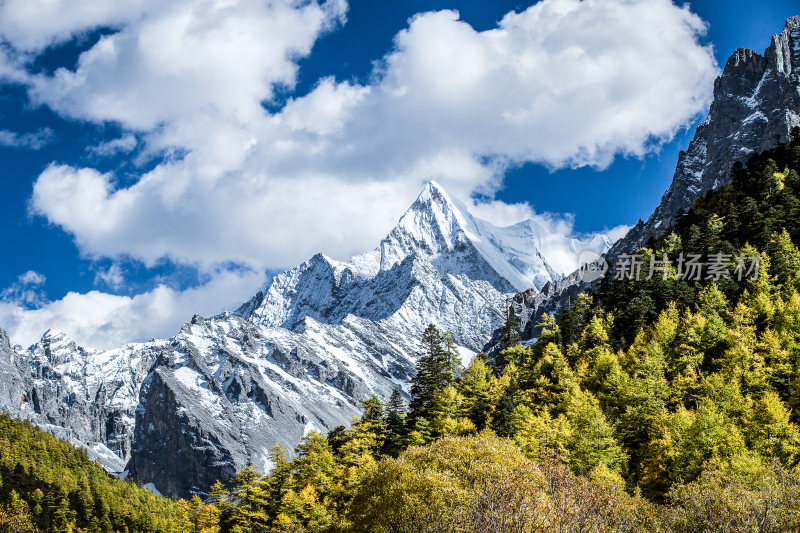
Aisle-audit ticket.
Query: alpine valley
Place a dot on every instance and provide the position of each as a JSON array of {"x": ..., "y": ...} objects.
[{"x": 180, "y": 413}]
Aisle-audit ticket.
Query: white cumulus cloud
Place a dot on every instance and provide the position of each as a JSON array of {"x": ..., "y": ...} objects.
[
  {"x": 181, "y": 58},
  {"x": 562, "y": 83},
  {"x": 100, "y": 320}
]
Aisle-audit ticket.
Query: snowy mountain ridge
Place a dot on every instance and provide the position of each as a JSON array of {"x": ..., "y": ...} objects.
[
  {"x": 437, "y": 229},
  {"x": 299, "y": 356},
  {"x": 441, "y": 229}
]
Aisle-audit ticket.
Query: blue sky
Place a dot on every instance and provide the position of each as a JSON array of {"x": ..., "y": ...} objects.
[{"x": 82, "y": 118}]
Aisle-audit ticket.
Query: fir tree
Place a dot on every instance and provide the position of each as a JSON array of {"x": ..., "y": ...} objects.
[
  {"x": 395, "y": 420},
  {"x": 437, "y": 367},
  {"x": 510, "y": 329}
]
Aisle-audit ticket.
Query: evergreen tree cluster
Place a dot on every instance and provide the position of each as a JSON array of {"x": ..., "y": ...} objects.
[
  {"x": 759, "y": 212},
  {"x": 47, "y": 484}
]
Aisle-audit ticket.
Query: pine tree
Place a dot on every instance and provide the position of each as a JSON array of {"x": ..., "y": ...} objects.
[
  {"x": 365, "y": 437},
  {"x": 509, "y": 399},
  {"x": 446, "y": 411},
  {"x": 15, "y": 517},
  {"x": 278, "y": 479},
  {"x": 337, "y": 437},
  {"x": 546, "y": 383},
  {"x": 591, "y": 439},
  {"x": 251, "y": 496},
  {"x": 200, "y": 517},
  {"x": 549, "y": 331},
  {"x": 314, "y": 463},
  {"x": 307, "y": 501},
  {"x": 476, "y": 388},
  {"x": 785, "y": 257},
  {"x": 771, "y": 433},
  {"x": 510, "y": 329},
  {"x": 372, "y": 419},
  {"x": 395, "y": 420},
  {"x": 63, "y": 516},
  {"x": 539, "y": 435},
  {"x": 437, "y": 367},
  {"x": 420, "y": 433},
  {"x": 219, "y": 497}
]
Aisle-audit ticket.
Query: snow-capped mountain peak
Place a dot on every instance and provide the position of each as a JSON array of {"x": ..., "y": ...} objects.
[
  {"x": 437, "y": 229},
  {"x": 300, "y": 355},
  {"x": 434, "y": 224},
  {"x": 514, "y": 258}
]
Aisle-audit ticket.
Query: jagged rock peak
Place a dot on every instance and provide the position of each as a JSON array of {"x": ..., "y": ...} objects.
[
  {"x": 432, "y": 225},
  {"x": 56, "y": 343},
  {"x": 433, "y": 193},
  {"x": 52, "y": 335},
  {"x": 745, "y": 62},
  {"x": 434, "y": 218},
  {"x": 756, "y": 101},
  {"x": 783, "y": 53}
]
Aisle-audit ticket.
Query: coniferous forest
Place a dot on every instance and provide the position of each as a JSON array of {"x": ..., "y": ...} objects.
[{"x": 667, "y": 403}]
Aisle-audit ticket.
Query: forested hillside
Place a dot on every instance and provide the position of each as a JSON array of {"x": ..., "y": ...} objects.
[
  {"x": 47, "y": 484},
  {"x": 664, "y": 403}
]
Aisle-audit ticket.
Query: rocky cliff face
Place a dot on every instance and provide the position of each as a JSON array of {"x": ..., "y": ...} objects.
[
  {"x": 756, "y": 104},
  {"x": 84, "y": 396},
  {"x": 529, "y": 307},
  {"x": 299, "y": 356}
]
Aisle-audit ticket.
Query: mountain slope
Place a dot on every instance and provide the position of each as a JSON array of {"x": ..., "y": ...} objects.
[
  {"x": 57, "y": 487},
  {"x": 435, "y": 229},
  {"x": 316, "y": 341},
  {"x": 300, "y": 355},
  {"x": 87, "y": 397},
  {"x": 756, "y": 103}
]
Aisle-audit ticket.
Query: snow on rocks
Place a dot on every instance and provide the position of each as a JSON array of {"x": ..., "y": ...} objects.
[{"x": 301, "y": 355}]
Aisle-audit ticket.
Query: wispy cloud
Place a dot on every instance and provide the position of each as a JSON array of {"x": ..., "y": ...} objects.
[
  {"x": 33, "y": 141},
  {"x": 123, "y": 144},
  {"x": 27, "y": 291},
  {"x": 112, "y": 277}
]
